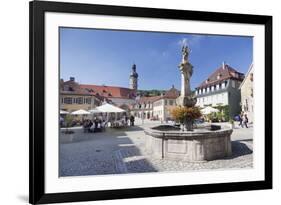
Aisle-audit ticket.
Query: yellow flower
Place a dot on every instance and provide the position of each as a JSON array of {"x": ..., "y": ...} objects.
[{"x": 185, "y": 113}]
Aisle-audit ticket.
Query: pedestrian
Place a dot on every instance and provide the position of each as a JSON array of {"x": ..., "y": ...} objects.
[
  {"x": 245, "y": 120},
  {"x": 126, "y": 120},
  {"x": 132, "y": 120},
  {"x": 240, "y": 120},
  {"x": 96, "y": 123}
]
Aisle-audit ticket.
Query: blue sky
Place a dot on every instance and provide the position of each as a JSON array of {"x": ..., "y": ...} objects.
[{"x": 106, "y": 56}]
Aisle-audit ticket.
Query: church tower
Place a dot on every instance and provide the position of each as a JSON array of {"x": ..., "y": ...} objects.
[{"x": 134, "y": 78}]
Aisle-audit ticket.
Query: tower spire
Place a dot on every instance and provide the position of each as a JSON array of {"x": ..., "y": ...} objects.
[{"x": 134, "y": 78}]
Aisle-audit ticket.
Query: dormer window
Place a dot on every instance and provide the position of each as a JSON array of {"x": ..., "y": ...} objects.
[
  {"x": 219, "y": 76},
  {"x": 252, "y": 77},
  {"x": 207, "y": 81}
]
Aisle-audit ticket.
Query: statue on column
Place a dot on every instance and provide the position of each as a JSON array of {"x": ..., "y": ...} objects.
[
  {"x": 185, "y": 52},
  {"x": 186, "y": 69}
]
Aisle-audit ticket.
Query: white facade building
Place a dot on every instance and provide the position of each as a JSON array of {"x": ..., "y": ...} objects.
[
  {"x": 247, "y": 94},
  {"x": 221, "y": 88},
  {"x": 156, "y": 107},
  {"x": 162, "y": 106}
]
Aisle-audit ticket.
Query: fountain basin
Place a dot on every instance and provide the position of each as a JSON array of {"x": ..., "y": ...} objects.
[{"x": 204, "y": 143}]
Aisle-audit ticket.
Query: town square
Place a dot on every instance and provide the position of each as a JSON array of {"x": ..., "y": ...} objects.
[
  {"x": 123, "y": 151},
  {"x": 157, "y": 123}
]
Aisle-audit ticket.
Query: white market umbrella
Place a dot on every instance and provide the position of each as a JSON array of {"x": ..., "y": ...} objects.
[
  {"x": 80, "y": 112},
  {"x": 108, "y": 108},
  {"x": 94, "y": 111},
  {"x": 62, "y": 112},
  {"x": 208, "y": 110}
]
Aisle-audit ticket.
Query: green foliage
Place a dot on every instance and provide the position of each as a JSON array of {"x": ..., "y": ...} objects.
[
  {"x": 68, "y": 120},
  {"x": 212, "y": 117},
  {"x": 150, "y": 93},
  {"x": 219, "y": 116},
  {"x": 223, "y": 113}
]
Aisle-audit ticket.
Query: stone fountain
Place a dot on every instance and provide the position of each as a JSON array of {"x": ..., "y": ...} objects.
[{"x": 205, "y": 142}]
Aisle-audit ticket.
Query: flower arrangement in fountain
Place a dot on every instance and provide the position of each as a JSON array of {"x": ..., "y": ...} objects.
[{"x": 186, "y": 116}]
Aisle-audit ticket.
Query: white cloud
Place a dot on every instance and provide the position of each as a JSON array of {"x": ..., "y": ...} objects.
[
  {"x": 191, "y": 41},
  {"x": 183, "y": 42}
]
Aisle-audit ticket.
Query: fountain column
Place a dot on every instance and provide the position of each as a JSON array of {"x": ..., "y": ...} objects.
[{"x": 186, "y": 69}]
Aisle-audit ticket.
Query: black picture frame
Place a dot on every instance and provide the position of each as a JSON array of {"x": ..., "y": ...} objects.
[{"x": 37, "y": 10}]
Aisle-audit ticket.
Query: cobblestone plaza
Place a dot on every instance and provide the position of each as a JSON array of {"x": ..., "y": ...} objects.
[{"x": 121, "y": 151}]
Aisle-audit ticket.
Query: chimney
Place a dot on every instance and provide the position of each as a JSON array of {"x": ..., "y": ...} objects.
[
  {"x": 72, "y": 79},
  {"x": 223, "y": 65}
]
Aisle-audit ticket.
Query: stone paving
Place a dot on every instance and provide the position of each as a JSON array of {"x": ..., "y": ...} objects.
[{"x": 119, "y": 151}]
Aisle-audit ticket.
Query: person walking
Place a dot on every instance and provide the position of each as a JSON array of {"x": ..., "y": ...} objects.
[
  {"x": 132, "y": 120},
  {"x": 245, "y": 120},
  {"x": 240, "y": 120}
]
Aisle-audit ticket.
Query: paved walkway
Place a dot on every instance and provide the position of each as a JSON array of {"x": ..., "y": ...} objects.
[{"x": 123, "y": 151}]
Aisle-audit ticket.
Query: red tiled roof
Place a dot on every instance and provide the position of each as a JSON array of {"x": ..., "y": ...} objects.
[
  {"x": 109, "y": 91},
  {"x": 148, "y": 99},
  {"x": 72, "y": 87},
  {"x": 173, "y": 93},
  {"x": 225, "y": 72}
]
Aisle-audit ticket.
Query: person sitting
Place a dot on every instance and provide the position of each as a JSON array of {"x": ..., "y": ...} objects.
[
  {"x": 92, "y": 128},
  {"x": 99, "y": 126},
  {"x": 85, "y": 126},
  {"x": 103, "y": 124},
  {"x": 89, "y": 126}
]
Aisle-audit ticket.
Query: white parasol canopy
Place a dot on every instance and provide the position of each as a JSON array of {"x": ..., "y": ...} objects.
[
  {"x": 63, "y": 112},
  {"x": 108, "y": 108},
  {"x": 80, "y": 112},
  {"x": 94, "y": 111},
  {"x": 207, "y": 110}
]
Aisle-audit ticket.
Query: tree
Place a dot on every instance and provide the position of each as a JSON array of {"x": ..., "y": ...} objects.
[{"x": 68, "y": 122}]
